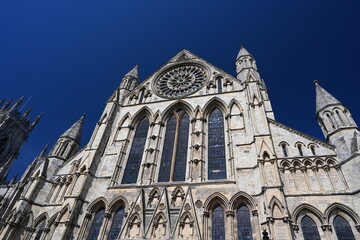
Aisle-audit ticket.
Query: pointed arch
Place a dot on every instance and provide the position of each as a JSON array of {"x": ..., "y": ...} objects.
[
  {"x": 62, "y": 212},
  {"x": 275, "y": 203},
  {"x": 198, "y": 114},
  {"x": 119, "y": 201},
  {"x": 331, "y": 211},
  {"x": 216, "y": 147},
  {"x": 265, "y": 149},
  {"x": 125, "y": 121},
  {"x": 136, "y": 154},
  {"x": 179, "y": 104},
  {"x": 285, "y": 164},
  {"x": 176, "y": 140},
  {"x": 305, "y": 208},
  {"x": 235, "y": 107},
  {"x": 140, "y": 114},
  {"x": 157, "y": 116},
  {"x": 213, "y": 103},
  {"x": 242, "y": 198},
  {"x": 97, "y": 203},
  {"x": 216, "y": 198},
  {"x": 176, "y": 194},
  {"x": 42, "y": 217}
]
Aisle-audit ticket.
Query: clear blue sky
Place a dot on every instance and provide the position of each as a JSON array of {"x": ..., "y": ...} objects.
[{"x": 70, "y": 56}]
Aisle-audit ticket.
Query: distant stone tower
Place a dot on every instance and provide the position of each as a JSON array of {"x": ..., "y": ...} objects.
[{"x": 15, "y": 128}]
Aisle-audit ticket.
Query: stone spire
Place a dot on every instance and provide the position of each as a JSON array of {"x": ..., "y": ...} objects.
[
  {"x": 323, "y": 98},
  {"x": 18, "y": 102},
  {"x": 133, "y": 72},
  {"x": 74, "y": 132},
  {"x": 243, "y": 52}
]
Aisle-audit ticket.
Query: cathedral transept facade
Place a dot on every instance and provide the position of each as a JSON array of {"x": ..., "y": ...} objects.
[{"x": 193, "y": 153}]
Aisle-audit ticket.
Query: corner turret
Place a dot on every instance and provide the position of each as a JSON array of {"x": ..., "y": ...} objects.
[
  {"x": 69, "y": 142},
  {"x": 336, "y": 122}
]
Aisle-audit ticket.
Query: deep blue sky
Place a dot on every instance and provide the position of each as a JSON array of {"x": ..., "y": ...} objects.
[{"x": 69, "y": 56}]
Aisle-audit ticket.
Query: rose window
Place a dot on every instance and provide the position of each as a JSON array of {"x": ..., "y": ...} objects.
[{"x": 181, "y": 81}]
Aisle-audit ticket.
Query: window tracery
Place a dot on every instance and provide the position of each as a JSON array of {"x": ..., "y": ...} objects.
[
  {"x": 136, "y": 152},
  {"x": 174, "y": 156},
  {"x": 181, "y": 81}
]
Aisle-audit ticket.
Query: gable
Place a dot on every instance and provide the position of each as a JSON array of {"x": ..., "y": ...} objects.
[{"x": 184, "y": 75}]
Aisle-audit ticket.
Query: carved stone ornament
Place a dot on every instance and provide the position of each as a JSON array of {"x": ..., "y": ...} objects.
[{"x": 180, "y": 81}]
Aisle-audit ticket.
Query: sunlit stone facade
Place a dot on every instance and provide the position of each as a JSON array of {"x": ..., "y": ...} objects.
[{"x": 194, "y": 153}]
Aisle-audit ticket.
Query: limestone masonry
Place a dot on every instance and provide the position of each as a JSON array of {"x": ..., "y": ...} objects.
[{"x": 192, "y": 153}]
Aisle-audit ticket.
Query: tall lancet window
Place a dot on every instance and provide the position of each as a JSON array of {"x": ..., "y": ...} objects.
[
  {"x": 343, "y": 229},
  {"x": 243, "y": 223},
  {"x": 96, "y": 224},
  {"x": 173, "y": 159},
  {"x": 216, "y": 146},
  {"x": 309, "y": 229},
  {"x": 40, "y": 230},
  {"x": 116, "y": 224},
  {"x": 136, "y": 152},
  {"x": 217, "y": 223}
]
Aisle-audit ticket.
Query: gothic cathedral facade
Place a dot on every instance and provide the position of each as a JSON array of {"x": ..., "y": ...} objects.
[{"x": 194, "y": 153}]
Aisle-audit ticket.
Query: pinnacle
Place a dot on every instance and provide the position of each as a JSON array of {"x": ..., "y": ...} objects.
[
  {"x": 323, "y": 98},
  {"x": 134, "y": 72},
  {"x": 75, "y": 130},
  {"x": 243, "y": 52}
]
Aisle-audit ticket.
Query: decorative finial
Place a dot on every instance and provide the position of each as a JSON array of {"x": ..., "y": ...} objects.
[
  {"x": 315, "y": 82},
  {"x": 26, "y": 113}
]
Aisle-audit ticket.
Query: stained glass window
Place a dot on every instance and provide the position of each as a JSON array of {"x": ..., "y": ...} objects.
[
  {"x": 3, "y": 143},
  {"x": 181, "y": 150},
  {"x": 218, "y": 223},
  {"x": 244, "y": 223},
  {"x": 219, "y": 83},
  {"x": 216, "y": 146},
  {"x": 40, "y": 230},
  {"x": 167, "y": 154},
  {"x": 343, "y": 229},
  {"x": 175, "y": 148},
  {"x": 309, "y": 229},
  {"x": 116, "y": 224},
  {"x": 136, "y": 152},
  {"x": 96, "y": 224}
]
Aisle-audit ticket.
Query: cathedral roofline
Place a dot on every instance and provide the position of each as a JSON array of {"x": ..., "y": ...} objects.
[{"x": 324, "y": 144}]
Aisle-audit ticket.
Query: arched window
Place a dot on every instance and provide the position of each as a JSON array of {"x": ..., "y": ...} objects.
[
  {"x": 331, "y": 121},
  {"x": 243, "y": 223},
  {"x": 40, "y": 230},
  {"x": 284, "y": 149},
  {"x": 141, "y": 98},
  {"x": 219, "y": 85},
  {"x": 173, "y": 159},
  {"x": 116, "y": 224},
  {"x": 312, "y": 147},
  {"x": 216, "y": 146},
  {"x": 96, "y": 224},
  {"x": 217, "y": 223},
  {"x": 343, "y": 229},
  {"x": 136, "y": 152},
  {"x": 300, "y": 150},
  {"x": 340, "y": 118},
  {"x": 309, "y": 229}
]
